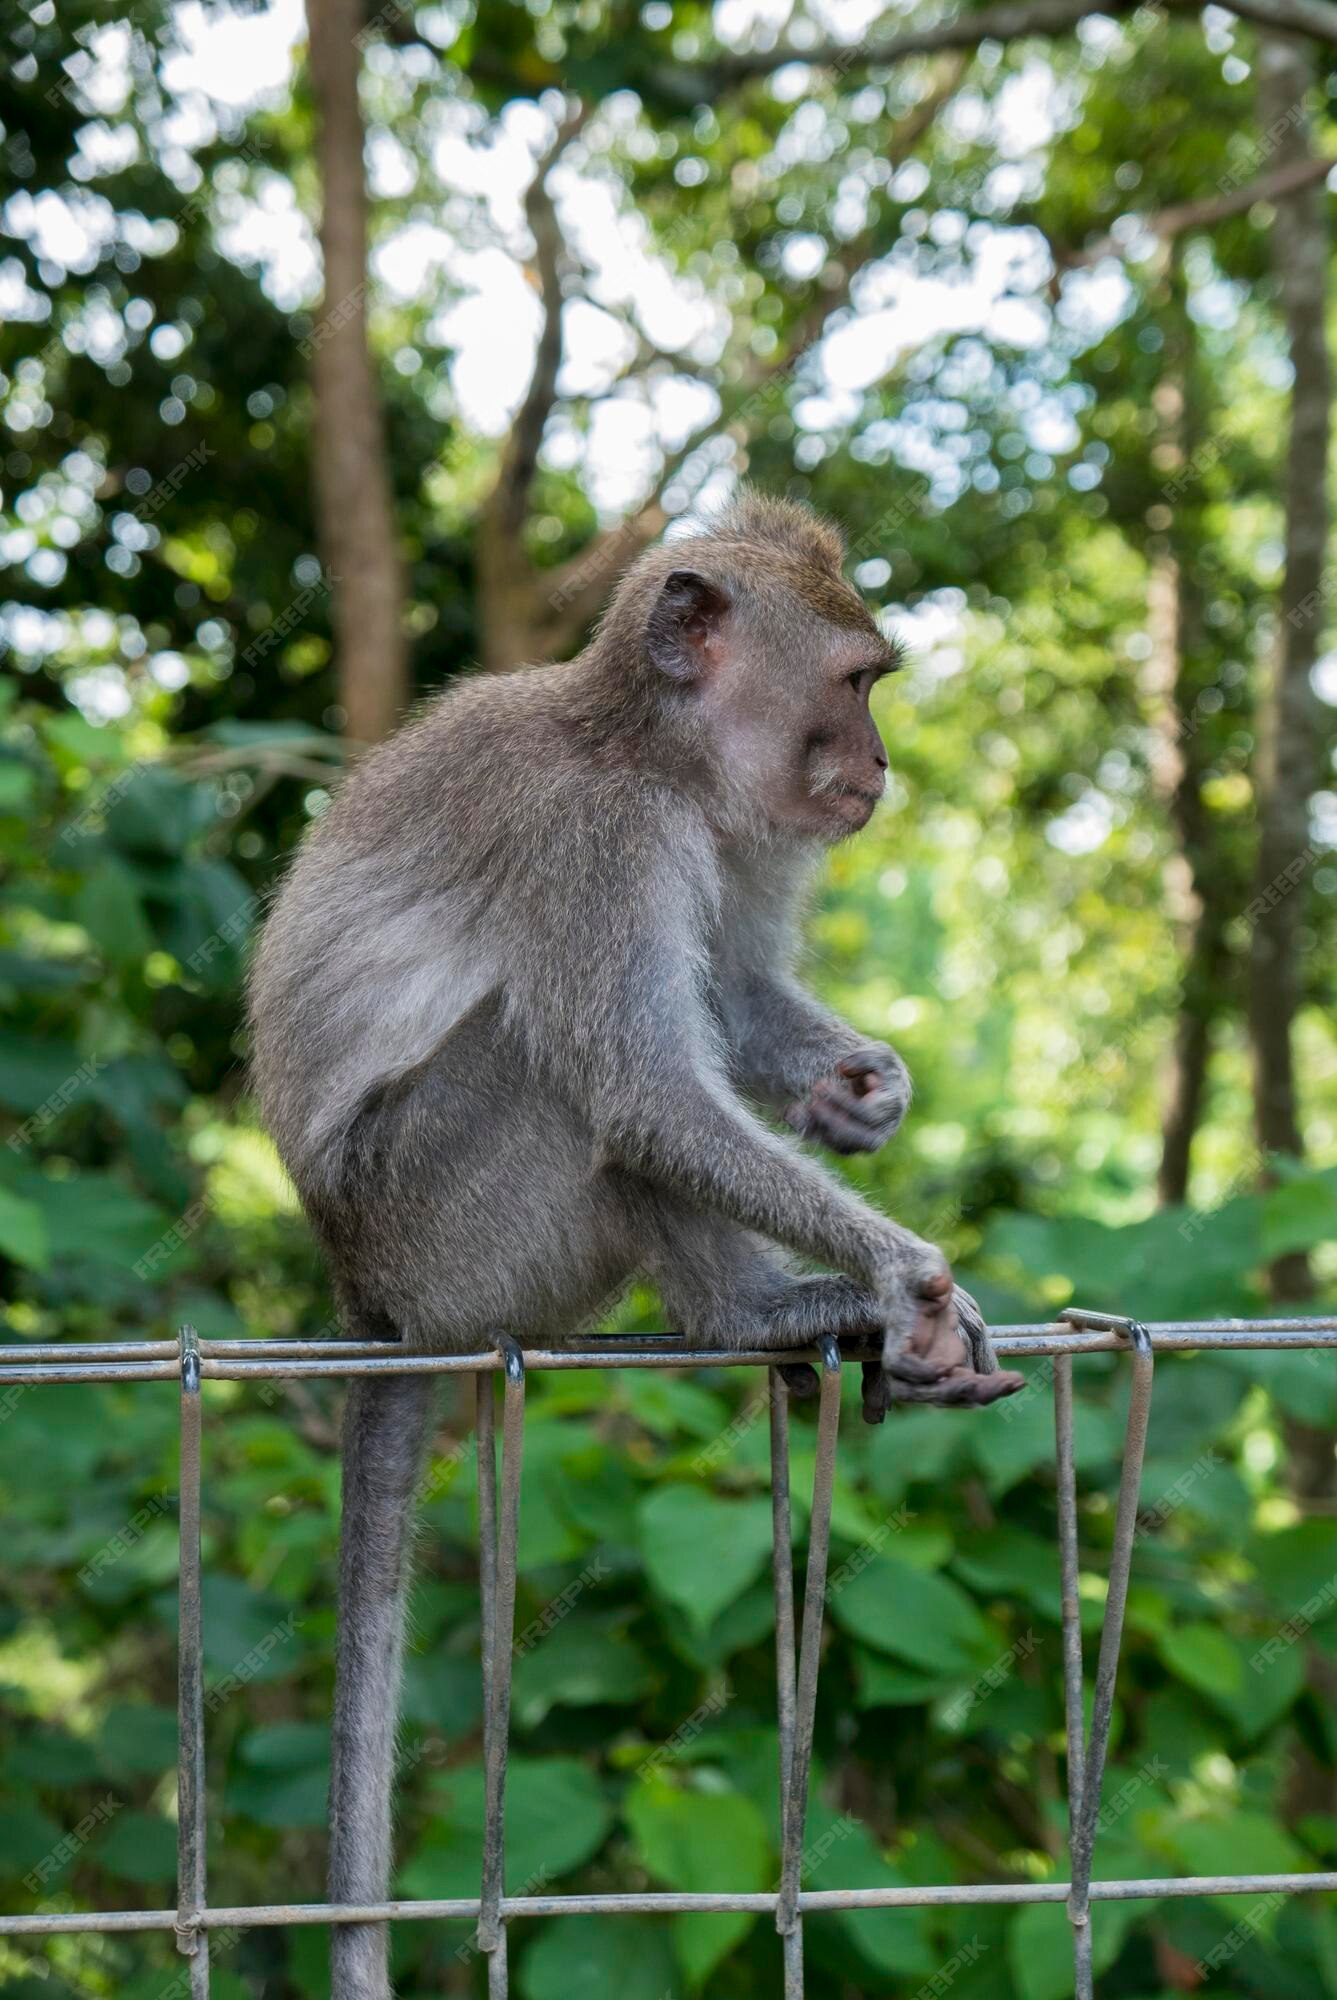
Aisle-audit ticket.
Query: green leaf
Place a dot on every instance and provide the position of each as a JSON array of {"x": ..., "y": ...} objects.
[
  {"x": 1039, "y": 1945},
  {"x": 107, "y": 905},
  {"x": 702, "y": 1551},
  {"x": 27, "y": 1838},
  {"x": 82, "y": 741},
  {"x": 1203, "y": 1656},
  {"x": 16, "y": 785},
  {"x": 50, "y": 1757},
  {"x": 924, "y": 1619},
  {"x": 1271, "y": 1681},
  {"x": 742, "y": 1624},
  {"x": 1010, "y": 1563},
  {"x": 137, "y": 1740},
  {"x": 1296, "y": 1567},
  {"x": 668, "y": 1406},
  {"x": 139, "y": 1847},
  {"x": 626, "y": 1958},
  {"x": 841, "y": 1853},
  {"x": 883, "y": 1685},
  {"x": 1235, "y": 1843},
  {"x": 206, "y": 920},
  {"x": 1299, "y": 1215},
  {"x": 556, "y": 1817},
  {"x": 23, "y": 1236},
  {"x": 92, "y": 1219},
  {"x": 581, "y": 1663},
  {"x": 281, "y": 1798},
  {"x": 699, "y": 1840},
  {"x": 153, "y": 812},
  {"x": 34, "y": 1071},
  {"x": 286, "y": 1746}
]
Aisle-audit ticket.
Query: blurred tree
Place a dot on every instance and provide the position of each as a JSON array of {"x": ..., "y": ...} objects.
[
  {"x": 358, "y": 534},
  {"x": 1289, "y": 766}
]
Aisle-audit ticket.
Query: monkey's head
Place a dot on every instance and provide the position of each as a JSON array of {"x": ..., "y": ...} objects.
[{"x": 759, "y": 659}]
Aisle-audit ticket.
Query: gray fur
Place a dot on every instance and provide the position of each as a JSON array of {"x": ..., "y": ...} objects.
[{"x": 507, "y": 1005}]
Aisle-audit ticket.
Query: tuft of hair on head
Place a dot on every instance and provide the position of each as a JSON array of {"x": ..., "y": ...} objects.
[{"x": 790, "y": 527}]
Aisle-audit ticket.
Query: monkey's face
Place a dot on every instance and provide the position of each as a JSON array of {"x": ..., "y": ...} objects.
[
  {"x": 777, "y": 672},
  {"x": 796, "y": 726}
]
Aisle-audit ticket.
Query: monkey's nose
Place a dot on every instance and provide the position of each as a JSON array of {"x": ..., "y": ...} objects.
[{"x": 880, "y": 757}]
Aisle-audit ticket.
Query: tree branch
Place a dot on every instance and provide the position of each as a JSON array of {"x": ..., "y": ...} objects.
[
  {"x": 1166, "y": 223},
  {"x": 1009, "y": 21},
  {"x": 520, "y": 459},
  {"x": 506, "y": 581},
  {"x": 577, "y": 589}
]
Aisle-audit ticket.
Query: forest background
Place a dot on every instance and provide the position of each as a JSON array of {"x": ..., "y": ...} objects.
[{"x": 339, "y": 360}]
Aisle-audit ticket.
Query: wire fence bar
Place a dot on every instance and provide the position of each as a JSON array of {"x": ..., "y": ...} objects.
[
  {"x": 190, "y": 1794},
  {"x": 1086, "y": 1753},
  {"x": 190, "y": 1362},
  {"x": 234, "y": 1360},
  {"x": 500, "y": 1560},
  {"x": 671, "y": 1903},
  {"x": 795, "y": 1787},
  {"x": 786, "y": 1686}
]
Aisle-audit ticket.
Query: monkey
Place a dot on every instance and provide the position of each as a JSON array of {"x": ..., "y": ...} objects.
[{"x": 525, "y": 1025}]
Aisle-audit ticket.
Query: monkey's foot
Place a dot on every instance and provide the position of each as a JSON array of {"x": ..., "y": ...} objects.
[{"x": 935, "y": 1364}]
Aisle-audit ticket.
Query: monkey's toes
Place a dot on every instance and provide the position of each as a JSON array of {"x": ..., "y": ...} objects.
[
  {"x": 800, "y": 1378},
  {"x": 876, "y": 1392},
  {"x": 973, "y": 1392},
  {"x": 1003, "y": 1382}
]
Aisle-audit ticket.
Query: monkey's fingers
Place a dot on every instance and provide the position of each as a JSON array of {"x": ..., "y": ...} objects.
[{"x": 834, "y": 1120}]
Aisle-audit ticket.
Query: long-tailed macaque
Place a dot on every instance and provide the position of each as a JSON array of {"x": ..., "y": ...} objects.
[{"x": 516, "y": 1008}]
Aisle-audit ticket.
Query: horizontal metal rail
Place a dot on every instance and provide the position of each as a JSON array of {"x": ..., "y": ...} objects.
[
  {"x": 289, "y": 1360},
  {"x": 190, "y": 1362},
  {"x": 674, "y": 1903}
]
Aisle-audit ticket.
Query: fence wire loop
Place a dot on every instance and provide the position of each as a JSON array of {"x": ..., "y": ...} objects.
[{"x": 191, "y": 1362}]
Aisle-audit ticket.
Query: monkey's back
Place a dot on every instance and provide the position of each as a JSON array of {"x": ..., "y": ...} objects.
[{"x": 411, "y": 897}]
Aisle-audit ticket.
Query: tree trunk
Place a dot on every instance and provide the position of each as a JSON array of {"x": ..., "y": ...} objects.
[
  {"x": 1289, "y": 766},
  {"x": 354, "y": 511},
  {"x": 1288, "y": 761},
  {"x": 1181, "y": 666}
]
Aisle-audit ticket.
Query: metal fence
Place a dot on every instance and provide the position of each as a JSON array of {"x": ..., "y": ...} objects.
[{"x": 193, "y": 1361}]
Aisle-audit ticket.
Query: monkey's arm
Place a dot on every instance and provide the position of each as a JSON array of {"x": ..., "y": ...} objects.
[
  {"x": 827, "y": 1081},
  {"x": 607, "y": 983}
]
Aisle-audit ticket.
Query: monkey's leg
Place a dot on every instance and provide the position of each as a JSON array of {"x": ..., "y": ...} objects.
[
  {"x": 386, "y": 1422},
  {"x": 729, "y": 1288}
]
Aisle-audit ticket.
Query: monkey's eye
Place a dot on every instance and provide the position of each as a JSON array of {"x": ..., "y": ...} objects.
[{"x": 861, "y": 681}]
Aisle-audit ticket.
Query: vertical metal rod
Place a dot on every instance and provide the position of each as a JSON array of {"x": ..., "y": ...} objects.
[
  {"x": 792, "y": 1946},
  {"x": 1083, "y": 1834},
  {"x": 814, "y": 1604},
  {"x": 498, "y": 1679},
  {"x": 1069, "y": 1564},
  {"x": 782, "y": 1571},
  {"x": 190, "y": 1799},
  {"x": 498, "y": 1976},
  {"x": 486, "y": 1437}
]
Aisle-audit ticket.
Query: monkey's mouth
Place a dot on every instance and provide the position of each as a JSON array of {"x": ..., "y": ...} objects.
[{"x": 852, "y": 802}]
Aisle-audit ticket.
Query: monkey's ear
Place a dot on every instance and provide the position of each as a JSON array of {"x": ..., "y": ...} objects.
[{"x": 682, "y": 633}]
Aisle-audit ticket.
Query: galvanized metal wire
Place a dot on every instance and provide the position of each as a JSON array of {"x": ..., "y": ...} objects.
[{"x": 191, "y": 1362}]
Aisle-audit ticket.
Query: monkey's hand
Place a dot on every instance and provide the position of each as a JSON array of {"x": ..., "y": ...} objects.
[
  {"x": 945, "y": 1357},
  {"x": 857, "y": 1106}
]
